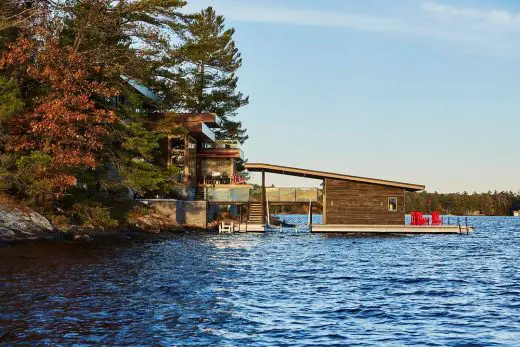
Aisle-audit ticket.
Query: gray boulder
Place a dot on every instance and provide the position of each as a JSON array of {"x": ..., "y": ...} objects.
[{"x": 16, "y": 224}]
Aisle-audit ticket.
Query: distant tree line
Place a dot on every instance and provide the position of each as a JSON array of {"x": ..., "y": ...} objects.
[{"x": 490, "y": 203}]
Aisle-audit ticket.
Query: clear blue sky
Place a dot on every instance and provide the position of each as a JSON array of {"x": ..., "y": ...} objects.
[{"x": 416, "y": 91}]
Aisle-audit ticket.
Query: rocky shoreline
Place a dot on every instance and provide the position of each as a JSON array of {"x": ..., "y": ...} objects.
[{"x": 23, "y": 225}]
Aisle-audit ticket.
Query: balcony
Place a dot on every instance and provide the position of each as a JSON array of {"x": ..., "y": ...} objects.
[
  {"x": 200, "y": 131},
  {"x": 210, "y": 119},
  {"x": 221, "y": 149},
  {"x": 227, "y": 194}
]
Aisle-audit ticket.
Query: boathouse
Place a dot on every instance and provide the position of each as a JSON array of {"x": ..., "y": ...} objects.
[{"x": 349, "y": 200}]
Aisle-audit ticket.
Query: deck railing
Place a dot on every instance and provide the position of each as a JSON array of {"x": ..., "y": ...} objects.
[
  {"x": 222, "y": 144},
  {"x": 236, "y": 194},
  {"x": 279, "y": 194},
  {"x": 244, "y": 194}
]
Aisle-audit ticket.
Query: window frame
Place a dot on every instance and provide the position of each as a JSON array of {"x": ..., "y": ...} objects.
[{"x": 396, "y": 204}]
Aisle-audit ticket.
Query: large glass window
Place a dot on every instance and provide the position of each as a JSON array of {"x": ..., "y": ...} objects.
[{"x": 178, "y": 155}]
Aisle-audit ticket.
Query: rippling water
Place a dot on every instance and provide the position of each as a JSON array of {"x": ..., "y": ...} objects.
[{"x": 267, "y": 289}]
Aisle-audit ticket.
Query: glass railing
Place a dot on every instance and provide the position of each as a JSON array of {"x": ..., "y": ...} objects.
[
  {"x": 230, "y": 144},
  {"x": 208, "y": 132},
  {"x": 279, "y": 194},
  {"x": 238, "y": 194}
]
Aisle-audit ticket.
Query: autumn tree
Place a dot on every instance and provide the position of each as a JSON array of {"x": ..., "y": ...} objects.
[{"x": 59, "y": 130}]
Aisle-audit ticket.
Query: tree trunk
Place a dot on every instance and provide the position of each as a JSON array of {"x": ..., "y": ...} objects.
[{"x": 201, "y": 90}]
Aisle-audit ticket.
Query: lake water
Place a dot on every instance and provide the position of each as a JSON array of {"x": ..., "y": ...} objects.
[{"x": 283, "y": 288}]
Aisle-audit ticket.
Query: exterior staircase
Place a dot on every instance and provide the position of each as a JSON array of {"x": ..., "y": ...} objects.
[
  {"x": 200, "y": 194},
  {"x": 255, "y": 213}
]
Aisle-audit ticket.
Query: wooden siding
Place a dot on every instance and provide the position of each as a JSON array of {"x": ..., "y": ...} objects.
[
  {"x": 220, "y": 153},
  {"x": 349, "y": 202}
]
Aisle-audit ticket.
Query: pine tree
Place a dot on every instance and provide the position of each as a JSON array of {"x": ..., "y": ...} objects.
[{"x": 205, "y": 66}]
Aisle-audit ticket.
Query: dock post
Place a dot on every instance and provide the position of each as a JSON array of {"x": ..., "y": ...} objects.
[
  {"x": 263, "y": 198},
  {"x": 310, "y": 215}
]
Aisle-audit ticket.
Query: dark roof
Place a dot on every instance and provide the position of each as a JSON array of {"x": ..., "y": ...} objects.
[
  {"x": 285, "y": 170},
  {"x": 145, "y": 91}
]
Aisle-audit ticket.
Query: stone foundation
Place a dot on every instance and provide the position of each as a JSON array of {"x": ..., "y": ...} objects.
[{"x": 188, "y": 213}]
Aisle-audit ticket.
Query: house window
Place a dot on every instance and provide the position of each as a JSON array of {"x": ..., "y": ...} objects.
[
  {"x": 178, "y": 143},
  {"x": 392, "y": 204}
]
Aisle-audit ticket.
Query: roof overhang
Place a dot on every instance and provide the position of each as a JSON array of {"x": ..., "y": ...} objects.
[
  {"x": 220, "y": 153},
  {"x": 210, "y": 119},
  {"x": 291, "y": 171},
  {"x": 200, "y": 131},
  {"x": 145, "y": 91}
]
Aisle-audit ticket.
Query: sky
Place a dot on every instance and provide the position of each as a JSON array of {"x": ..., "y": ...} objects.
[{"x": 414, "y": 91}]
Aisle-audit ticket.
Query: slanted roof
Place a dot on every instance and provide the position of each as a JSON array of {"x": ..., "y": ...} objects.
[
  {"x": 144, "y": 90},
  {"x": 200, "y": 131},
  {"x": 211, "y": 119},
  {"x": 291, "y": 171}
]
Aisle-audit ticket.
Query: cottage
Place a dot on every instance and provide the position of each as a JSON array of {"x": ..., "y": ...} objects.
[{"x": 208, "y": 167}]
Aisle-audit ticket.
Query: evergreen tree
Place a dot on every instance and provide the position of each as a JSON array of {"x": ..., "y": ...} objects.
[
  {"x": 127, "y": 38},
  {"x": 204, "y": 72},
  {"x": 490, "y": 203}
]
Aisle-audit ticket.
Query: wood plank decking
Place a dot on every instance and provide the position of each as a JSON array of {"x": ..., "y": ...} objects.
[
  {"x": 392, "y": 229},
  {"x": 373, "y": 229}
]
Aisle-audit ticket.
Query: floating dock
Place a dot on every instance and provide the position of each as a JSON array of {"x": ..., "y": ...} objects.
[
  {"x": 392, "y": 229},
  {"x": 372, "y": 229}
]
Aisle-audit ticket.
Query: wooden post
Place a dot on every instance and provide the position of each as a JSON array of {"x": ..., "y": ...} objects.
[
  {"x": 169, "y": 151},
  {"x": 263, "y": 198},
  {"x": 324, "y": 202},
  {"x": 310, "y": 215}
]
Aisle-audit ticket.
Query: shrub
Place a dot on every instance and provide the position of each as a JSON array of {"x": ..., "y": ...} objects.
[{"x": 93, "y": 214}]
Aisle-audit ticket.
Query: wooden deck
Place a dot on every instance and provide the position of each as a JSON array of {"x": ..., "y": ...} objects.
[
  {"x": 372, "y": 229},
  {"x": 392, "y": 229},
  {"x": 250, "y": 228}
]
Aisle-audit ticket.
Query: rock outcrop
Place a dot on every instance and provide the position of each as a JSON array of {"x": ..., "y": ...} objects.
[
  {"x": 16, "y": 224},
  {"x": 155, "y": 223}
]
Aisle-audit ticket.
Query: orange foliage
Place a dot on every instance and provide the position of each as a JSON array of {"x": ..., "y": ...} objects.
[{"x": 64, "y": 121}]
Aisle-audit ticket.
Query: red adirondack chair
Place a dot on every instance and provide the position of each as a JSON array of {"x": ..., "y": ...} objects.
[
  {"x": 436, "y": 218},
  {"x": 418, "y": 219},
  {"x": 237, "y": 179}
]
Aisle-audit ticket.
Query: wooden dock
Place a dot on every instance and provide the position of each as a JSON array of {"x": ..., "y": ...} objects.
[
  {"x": 392, "y": 229},
  {"x": 373, "y": 229},
  {"x": 250, "y": 228}
]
